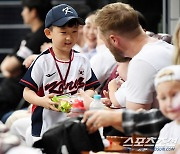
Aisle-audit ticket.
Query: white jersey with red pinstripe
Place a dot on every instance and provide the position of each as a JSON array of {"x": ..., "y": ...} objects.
[{"x": 43, "y": 78}]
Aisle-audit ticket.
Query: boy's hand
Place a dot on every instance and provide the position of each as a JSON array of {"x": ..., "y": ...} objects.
[{"x": 47, "y": 103}]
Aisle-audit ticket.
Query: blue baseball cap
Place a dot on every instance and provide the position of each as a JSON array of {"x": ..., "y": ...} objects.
[{"x": 60, "y": 15}]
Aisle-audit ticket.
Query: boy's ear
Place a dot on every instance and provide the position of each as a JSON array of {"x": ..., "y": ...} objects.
[{"x": 47, "y": 33}]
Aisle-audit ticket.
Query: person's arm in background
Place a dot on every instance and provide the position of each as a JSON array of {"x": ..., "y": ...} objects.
[
  {"x": 28, "y": 61},
  {"x": 11, "y": 66},
  {"x": 147, "y": 123}
]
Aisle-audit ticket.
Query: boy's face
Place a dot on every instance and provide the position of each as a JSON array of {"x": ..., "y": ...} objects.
[
  {"x": 63, "y": 38},
  {"x": 166, "y": 91}
]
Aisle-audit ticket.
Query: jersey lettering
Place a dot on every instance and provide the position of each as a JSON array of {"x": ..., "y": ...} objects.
[{"x": 57, "y": 86}]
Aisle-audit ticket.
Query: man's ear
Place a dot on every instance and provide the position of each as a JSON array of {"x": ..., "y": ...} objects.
[
  {"x": 47, "y": 32},
  {"x": 114, "y": 40}
]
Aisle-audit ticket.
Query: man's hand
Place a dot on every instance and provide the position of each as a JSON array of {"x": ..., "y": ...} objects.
[{"x": 102, "y": 118}]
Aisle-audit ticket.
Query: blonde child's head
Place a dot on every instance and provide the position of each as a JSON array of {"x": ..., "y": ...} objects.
[{"x": 167, "y": 84}]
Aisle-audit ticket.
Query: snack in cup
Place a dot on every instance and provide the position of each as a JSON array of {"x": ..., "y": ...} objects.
[{"x": 64, "y": 104}]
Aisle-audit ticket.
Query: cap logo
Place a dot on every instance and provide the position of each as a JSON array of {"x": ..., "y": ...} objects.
[{"x": 67, "y": 10}]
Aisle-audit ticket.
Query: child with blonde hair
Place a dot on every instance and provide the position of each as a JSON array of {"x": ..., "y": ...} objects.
[{"x": 167, "y": 84}]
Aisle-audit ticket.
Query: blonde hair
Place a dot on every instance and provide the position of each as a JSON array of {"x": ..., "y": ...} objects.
[
  {"x": 176, "y": 42},
  {"x": 117, "y": 17}
]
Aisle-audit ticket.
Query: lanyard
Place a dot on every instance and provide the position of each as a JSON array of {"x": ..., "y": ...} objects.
[{"x": 67, "y": 72}]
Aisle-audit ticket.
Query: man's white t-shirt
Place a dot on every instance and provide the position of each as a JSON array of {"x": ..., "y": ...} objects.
[{"x": 142, "y": 70}]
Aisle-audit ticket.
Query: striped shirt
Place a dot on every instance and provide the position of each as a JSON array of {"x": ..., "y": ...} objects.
[{"x": 145, "y": 123}]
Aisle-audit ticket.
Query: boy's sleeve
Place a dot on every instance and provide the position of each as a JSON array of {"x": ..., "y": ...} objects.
[
  {"x": 33, "y": 77},
  {"x": 92, "y": 82},
  {"x": 91, "y": 79}
]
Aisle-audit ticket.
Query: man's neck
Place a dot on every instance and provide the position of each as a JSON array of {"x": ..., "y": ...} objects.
[{"x": 135, "y": 45}]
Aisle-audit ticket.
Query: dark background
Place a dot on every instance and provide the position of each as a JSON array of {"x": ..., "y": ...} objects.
[{"x": 12, "y": 28}]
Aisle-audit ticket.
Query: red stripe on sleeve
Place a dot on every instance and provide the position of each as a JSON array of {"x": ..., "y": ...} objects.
[
  {"x": 29, "y": 84},
  {"x": 91, "y": 83}
]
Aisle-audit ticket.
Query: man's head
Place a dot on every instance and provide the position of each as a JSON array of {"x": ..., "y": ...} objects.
[
  {"x": 167, "y": 83},
  {"x": 117, "y": 17},
  {"x": 40, "y": 6},
  {"x": 115, "y": 21},
  {"x": 61, "y": 25}
]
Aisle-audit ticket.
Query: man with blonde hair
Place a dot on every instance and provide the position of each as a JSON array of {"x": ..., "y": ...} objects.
[{"x": 119, "y": 28}]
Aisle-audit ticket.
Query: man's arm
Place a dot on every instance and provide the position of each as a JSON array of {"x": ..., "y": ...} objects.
[
  {"x": 136, "y": 106},
  {"x": 146, "y": 123},
  {"x": 102, "y": 118}
]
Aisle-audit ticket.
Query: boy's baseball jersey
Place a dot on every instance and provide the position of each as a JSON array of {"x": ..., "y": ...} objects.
[{"x": 44, "y": 78}]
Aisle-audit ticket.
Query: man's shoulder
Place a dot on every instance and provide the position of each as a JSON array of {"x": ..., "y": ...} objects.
[
  {"x": 158, "y": 48},
  {"x": 158, "y": 55}
]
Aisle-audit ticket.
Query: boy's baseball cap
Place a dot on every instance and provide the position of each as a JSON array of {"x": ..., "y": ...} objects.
[
  {"x": 60, "y": 15},
  {"x": 169, "y": 73}
]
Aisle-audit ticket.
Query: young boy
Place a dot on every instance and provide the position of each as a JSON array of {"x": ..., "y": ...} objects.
[
  {"x": 58, "y": 70},
  {"x": 167, "y": 84}
]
